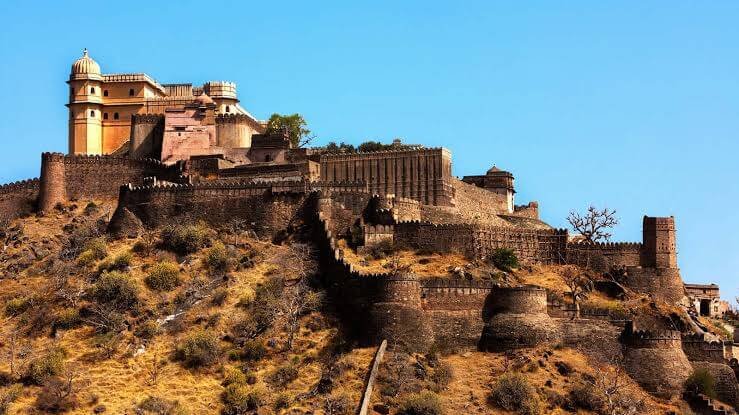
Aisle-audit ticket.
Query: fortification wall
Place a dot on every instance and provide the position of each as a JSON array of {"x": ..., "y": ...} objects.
[
  {"x": 547, "y": 246},
  {"x": 725, "y": 387},
  {"x": 235, "y": 130},
  {"x": 18, "y": 199},
  {"x": 530, "y": 210},
  {"x": 516, "y": 317},
  {"x": 699, "y": 349},
  {"x": 71, "y": 177},
  {"x": 663, "y": 283},
  {"x": 405, "y": 209},
  {"x": 656, "y": 360},
  {"x": 604, "y": 256},
  {"x": 269, "y": 208},
  {"x": 420, "y": 174}
]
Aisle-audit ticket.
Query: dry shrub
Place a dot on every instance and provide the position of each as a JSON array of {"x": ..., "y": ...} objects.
[
  {"x": 585, "y": 396},
  {"x": 146, "y": 329},
  {"x": 513, "y": 392},
  {"x": 161, "y": 406},
  {"x": 116, "y": 290},
  {"x": 185, "y": 239},
  {"x": 219, "y": 296},
  {"x": 442, "y": 375},
  {"x": 338, "y": 403},
  {"x": 200, "y": 349},
  {"x": 93, "y": 250},
  {"x": 119, "y": 263},
  {"x": 423, "y": 403},
  {"x": 380, "y": 249},
  {"x": 8, "y": 396},
  {"x": 51, "y": 363},
  {"x": 217, "y": 259},
  {"x": 67, "y": 318},
  {"x": 283, "y": 375},
  {"x": 58, "y": 395},
  {"x": 239, "y": 398},
  {"x": 163, "y": 276},
  {"x": 18, "y": 306}
]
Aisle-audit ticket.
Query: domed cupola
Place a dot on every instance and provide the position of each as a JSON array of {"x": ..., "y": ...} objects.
[{"x": 85, "y": 68}]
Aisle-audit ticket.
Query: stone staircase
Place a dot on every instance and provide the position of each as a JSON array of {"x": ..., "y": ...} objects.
[{"x": 705, "y": 405}]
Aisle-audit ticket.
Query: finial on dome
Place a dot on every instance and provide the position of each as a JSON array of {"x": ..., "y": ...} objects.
[{"x": 84, "y": 52}]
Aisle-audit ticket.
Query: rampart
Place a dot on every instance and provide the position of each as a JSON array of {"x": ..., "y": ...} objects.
[
  {"x": 420, "y": 174},
  {"x": 530, "y": 210},
  {"x": 72, "y": 177},
  {"x": 268, "y": 207},
  {"x": 655, "y": 359},
  {"x": 474, "y": 240},
  {"x": 604, "y": 256},
  {"x": 146, "y": 135},
  {"x": 18, "y": 199},
  {"x": 699, "y": 349}
]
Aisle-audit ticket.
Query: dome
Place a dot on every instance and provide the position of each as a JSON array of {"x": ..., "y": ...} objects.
[
  {"x": 85, "y": 65},
  {"x": 204, "y": 99},
  {"x": 494, "y": 169}
]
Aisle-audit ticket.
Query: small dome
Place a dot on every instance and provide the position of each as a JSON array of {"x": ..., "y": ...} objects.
[
  {"x": 204, "y": 99},
  {"x": 85, "y": 65},
  {"x": 494, "y": 169}
]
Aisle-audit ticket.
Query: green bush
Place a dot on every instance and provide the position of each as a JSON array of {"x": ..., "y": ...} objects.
[
  {"x": 43, "y": 367},
  {"x": 164, "y": 276},
  {"x": 239, "y": 398},
  {"x": 423, "y": 403},
  {"x": 216, "y": 258},
  {"x": 117, "y": 290},
  {"x": 513, "y": 392},
  {"x": 701, "y": 381},
  {"x": 17, "y": 306},
  {"x": 119, "y": 263},
  {"x": 200, "y": 349},
  {"x": 504, "y": 259},
  {"x": 185, "y": 239}
]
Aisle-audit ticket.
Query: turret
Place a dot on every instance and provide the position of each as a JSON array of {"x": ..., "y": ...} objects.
[
  {"x": 53, "y": 181},
  {"x": 397, "y": 317},
  {"x": 85, "y": 107}
]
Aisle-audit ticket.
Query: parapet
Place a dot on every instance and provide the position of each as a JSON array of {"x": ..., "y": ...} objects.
[
  {"x": 21, "y": 185},
  {"x": 647, "y": 339},
  {"x": 147, "y": 118},
  {"x": 698, "y": 348}
]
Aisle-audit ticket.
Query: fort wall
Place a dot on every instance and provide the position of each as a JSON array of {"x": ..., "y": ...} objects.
[
  {"x": 268, "y": 207},
  {"x": 74, "y": 177},
  {"x": 18, "y": 199},
  {"x": 604, "y": 256},
  {"x": 420, "y": 174},
  {"x": 147, "y": 131},
  {"x": 546, "y": 246},
  {"x": 699, "y": 349},
  {"x": 235, "y": 130},
  {"x": 656, "y": 360}
]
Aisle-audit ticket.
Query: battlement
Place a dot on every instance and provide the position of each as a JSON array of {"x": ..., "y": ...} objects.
[
  {"x": 603, "y": 246},
  {"x": 19, "y": 186},
  {"x": 698, "y": 348},
  {"x": 99, "y": 159},
  {"x": 648, "y": 339},
  {"x": 392, "y": 152}
]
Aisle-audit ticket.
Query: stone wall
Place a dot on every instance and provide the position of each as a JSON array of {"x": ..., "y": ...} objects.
[
  {"x": 18, "y": 199},
  {"x": 656, "y": 360},
  {"x": 268, "y": 208},
  {"x": 530, "y": 210},
  {"x": 726, "y": 382},
  {"x": 72, "y": 177},
  {"x": 235, "y": 130},
  {"x": 604, "y": 256},
  {"x": 699, "y": 349},
  {"x": 419, "y": 174},
  {"x": 546, "y": 246},
  {"x": 663, "y": 283}
]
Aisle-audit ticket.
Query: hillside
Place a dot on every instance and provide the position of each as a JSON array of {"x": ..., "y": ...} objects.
[{"x": 192, "y": 320}]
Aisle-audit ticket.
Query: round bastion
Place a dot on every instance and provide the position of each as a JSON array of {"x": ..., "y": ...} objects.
[
  {"x": 516, "y": 317},
  {"x": 396, "y": 315},
  {"x": 655, "y": 360}
]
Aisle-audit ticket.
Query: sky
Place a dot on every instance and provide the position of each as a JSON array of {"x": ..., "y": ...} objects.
[{"x": 630, "y": 105}]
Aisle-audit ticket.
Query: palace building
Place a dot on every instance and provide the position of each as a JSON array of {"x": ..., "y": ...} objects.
[{"x": 102, "y": 106}]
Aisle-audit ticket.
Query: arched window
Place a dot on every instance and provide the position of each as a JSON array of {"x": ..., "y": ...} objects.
[
  {"x": 105, "y": 115},
  {"x": 92, "y": 113},
  {"x": 228, "y": 108},
  {"x": 105, "y": 92},
  {"x": 92, "y": 90},
  {"x": 115, "y": 115},
  {"x": 130, "y": 92}
]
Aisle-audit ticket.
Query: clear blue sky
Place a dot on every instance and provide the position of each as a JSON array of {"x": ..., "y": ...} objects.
[{"x": 633, "y": 105}]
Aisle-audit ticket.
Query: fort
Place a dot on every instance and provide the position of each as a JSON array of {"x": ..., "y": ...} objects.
[{"x": 175, "y": 153}]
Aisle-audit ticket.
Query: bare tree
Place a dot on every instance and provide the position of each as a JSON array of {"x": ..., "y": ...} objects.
[
  {"x": 594, "y": 224},
  {"x": 297, "y": 300},
  {"x": 613, "y": 386},
  {"x": 579, "y": 284}
]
